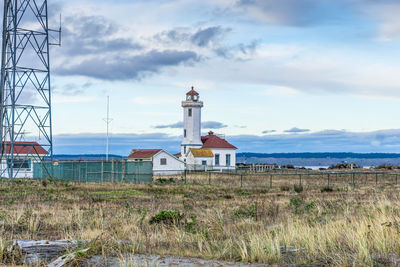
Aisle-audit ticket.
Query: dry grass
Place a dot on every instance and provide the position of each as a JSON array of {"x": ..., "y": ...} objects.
[{"x": 346, "y": 227}]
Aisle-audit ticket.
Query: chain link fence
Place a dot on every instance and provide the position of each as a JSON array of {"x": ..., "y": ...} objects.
[
  {"x": 284, "y": 180},
  {"x": 95, "y": 171}
]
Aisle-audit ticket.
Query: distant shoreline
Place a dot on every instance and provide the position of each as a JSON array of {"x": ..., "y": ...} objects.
[
  {"x": 320, "y": 159},
  {"x": 315, "y": 160}
]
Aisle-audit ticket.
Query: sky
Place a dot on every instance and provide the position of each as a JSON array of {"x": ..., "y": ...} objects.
[{"x": 275, "y": 76}]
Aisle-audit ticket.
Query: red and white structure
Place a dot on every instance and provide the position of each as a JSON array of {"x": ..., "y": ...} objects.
[
  {"x": 163, "y": 162},
  {"x": 210, "y": 152},
  {"x": 28, "y": 154}
]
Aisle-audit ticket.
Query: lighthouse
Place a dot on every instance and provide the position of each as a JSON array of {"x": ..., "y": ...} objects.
[{"x": 191, "y": 122}]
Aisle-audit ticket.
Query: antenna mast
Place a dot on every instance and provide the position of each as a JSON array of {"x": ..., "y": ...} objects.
[
  {"x": 25, "y": 92},
  {"x": 108, "y": 121}
]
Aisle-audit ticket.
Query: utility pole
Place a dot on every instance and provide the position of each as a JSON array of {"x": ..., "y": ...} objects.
[{"x": 108, "y": 121}]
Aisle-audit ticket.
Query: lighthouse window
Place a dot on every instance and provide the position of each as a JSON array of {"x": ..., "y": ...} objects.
[
  {"x": 184, "y": 133},
  {"x": 190, "y": 112}
]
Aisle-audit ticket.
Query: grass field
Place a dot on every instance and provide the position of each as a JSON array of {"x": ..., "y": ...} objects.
[{"x": 346, "y": 227}]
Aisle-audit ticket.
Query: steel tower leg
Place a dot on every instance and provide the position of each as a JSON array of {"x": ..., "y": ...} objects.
[{"x": 25, "y": 86}]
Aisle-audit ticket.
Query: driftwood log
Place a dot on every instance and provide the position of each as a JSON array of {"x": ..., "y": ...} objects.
[{"x": 42, "y": 250}]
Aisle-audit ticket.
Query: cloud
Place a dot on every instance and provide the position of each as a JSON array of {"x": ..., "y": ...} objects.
[
  {"x": 128, "y": 67},
  {"x": 206, "y": 124},
  {"x": 205, "y": 36},
  {"x": 96, "y": 47},
  {"x": 213, "y": 125},
  {"x": 177, "y": 125},
  {"x": 293, "y": 12},
  {"x": 202, "y": 37},
  {"x": 297, "y": 130},
  {"x": 268, "y": 131},
  {"x": 72, "y": 89},
  {"x": 93, "y": 35}
]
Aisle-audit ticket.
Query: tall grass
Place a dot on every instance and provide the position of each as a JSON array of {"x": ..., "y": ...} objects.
[{"x": 340, "y": 228}]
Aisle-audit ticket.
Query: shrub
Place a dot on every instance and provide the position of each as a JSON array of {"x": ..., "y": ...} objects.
[
  {"x": 246, "y": 212},
  {"x": 284, "y": 188},
  {"x": 168, "y": 217},
  {"x": 190, "y": 226},
  {"x": 165, "y": 181},
  {"x": 296, "y": 202},
  {"x": 298, "y": 188},
  {"x": 326, "y": 189}
]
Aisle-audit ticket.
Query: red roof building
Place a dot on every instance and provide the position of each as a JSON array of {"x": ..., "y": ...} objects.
[
  {"x": 25, "y": 148},
  {"x": 213, "y": 141},
  {"x": 143, "y": 153}
]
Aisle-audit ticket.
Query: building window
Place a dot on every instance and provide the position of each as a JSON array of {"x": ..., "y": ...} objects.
[
  {"x": 228, "y": 160},
  {"x": 20, "y": 164},
  {"x": 163, "y": 161},
  {"x": 216, "y": 159},
  {"x": 184, "y": 133},
  {"x": 190, "y": 112},
  {"x": 204, "y": 163}
]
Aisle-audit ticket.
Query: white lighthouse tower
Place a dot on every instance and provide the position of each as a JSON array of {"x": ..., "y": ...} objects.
[{"x": 191, "y": 122}]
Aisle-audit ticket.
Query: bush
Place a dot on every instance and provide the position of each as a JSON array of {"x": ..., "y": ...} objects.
[
  {"x": 296, "y": 202},
  {"x": 326, "y": 189},
  {"x": 165, "y": 181},
  {"x": 298, "y": 188},
  {"x": 284, "y": 188},
  {"x": 168, "y": 217},
  {"x": 246, "y": 212}
]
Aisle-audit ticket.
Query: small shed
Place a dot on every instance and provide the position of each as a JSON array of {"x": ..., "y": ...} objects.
[
  {"x": 163, "y": 162},
  {"x": 25, "y": 155}
]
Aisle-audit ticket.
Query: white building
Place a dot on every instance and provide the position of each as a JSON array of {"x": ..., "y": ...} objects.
[
  {"x": 25, "y": 155},
  {"x": 195, "y": 149},
  {"x": 201, "y": 158},
  {"x": 163, "y": 162}
]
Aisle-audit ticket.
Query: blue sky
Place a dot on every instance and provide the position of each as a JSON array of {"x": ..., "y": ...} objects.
[{"x": 275, "y": 76}]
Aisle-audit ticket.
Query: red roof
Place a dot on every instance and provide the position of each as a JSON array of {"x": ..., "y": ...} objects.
[
  {"x": 143, "y": 153},
  {"x": 26, "y": 148},
  {"x": 178, "y": 155},
  {"x": 192, "y": 92},
  {"x": 213, "y": 141}
]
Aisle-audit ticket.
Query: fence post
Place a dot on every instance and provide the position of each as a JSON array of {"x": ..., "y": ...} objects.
[
  {"x": 329, "y": 180},
  {"x": 79, "y": 170},
  {"x": 184, "y": 175},
  {"x": 209, "y": 178},
  {"x": 86, "y": 171},
  {"x": 353, "y": 178},
  {"x": 112, "y": 170},
  {"x": 73, "y": 171},
  {"x": 396, "y": 178},
  {"x": 241, "y": 180},
  {"x": 300, "y": 179},
  {"x": 376, "y": 178},
  {"x": 123, "y": 170},
  {"x": 102, "y": 170},
  {"x": 270, "y": 181}
]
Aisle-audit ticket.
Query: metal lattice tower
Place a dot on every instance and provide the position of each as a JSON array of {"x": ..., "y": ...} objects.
[{"x": 25, "y": 83}]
